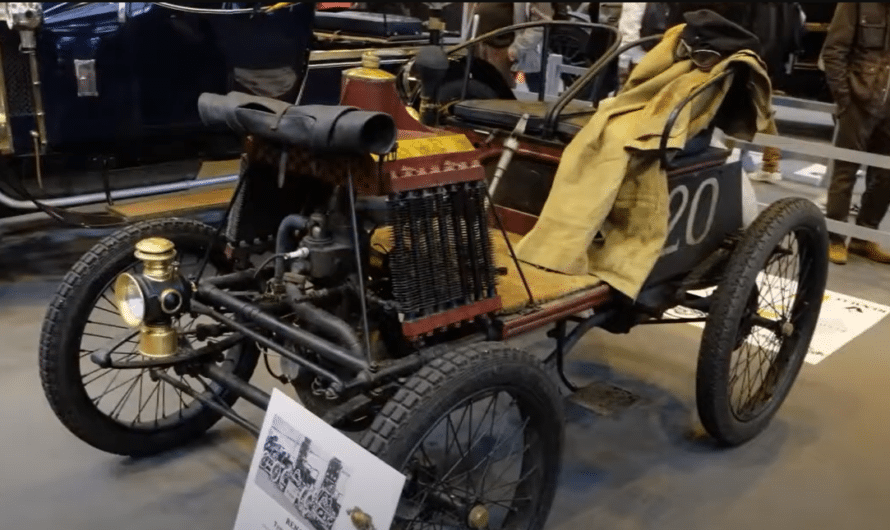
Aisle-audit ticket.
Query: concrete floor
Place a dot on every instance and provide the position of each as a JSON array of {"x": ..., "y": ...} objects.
[{"x": 821, "y": 464}]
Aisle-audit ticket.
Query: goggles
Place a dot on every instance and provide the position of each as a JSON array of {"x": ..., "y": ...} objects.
[{"x": 702, "y": 58}]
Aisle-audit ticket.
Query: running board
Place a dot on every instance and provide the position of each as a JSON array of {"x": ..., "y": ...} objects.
[
  {"x": 604, "y": 399},
  {"x": 184, "y": 202},
  {"x": 175, "y": 204}
]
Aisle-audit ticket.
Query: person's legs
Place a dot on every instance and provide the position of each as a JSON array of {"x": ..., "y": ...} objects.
[
  {"x": 768, "y": 170},
  {"x": 876, "y": 198},
  {"x": 605, "y": 83},
  {"x": 854, "y": 131},
  {"x": 771, "y": 159},
  {"x": 533, "y": 81}
]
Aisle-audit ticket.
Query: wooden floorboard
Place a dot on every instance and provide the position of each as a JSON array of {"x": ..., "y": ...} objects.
[{"x": 175, "y": 204}]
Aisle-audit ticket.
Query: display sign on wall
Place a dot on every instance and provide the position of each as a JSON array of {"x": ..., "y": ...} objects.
[
  {"x": 842, "y": 319},
  {"x": 306, "y": 475}
]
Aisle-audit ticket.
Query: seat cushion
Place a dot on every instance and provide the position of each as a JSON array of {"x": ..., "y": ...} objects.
[
  {"x": 505, "y": 114},
  {"x": 371, "y": 24},
  {"x": 546, "y": 286}
]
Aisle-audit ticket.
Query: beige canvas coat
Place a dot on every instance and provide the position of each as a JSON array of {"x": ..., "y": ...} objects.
[{"x": 610, "y": 178}]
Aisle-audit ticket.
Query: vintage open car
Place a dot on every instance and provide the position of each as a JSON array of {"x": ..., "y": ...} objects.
[{"x": 363, "y": 250}]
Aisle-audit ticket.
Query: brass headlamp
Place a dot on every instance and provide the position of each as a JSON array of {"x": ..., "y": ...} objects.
[{"x": 150, "y": 300}]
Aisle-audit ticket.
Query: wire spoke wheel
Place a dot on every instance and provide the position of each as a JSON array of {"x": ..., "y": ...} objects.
[
  {"x": 133, "y": 397},
  {"x": 764, "y": 353},
  {"x": 571, "y": 44},
  {"x": 480, "y": 447},
  {"x": 473, "y": 459},
  {"x": 762, "y": 321},
  {"x": 128, "y": 410}
]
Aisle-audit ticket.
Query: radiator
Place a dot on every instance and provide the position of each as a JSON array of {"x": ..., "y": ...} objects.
[{"x": 441, "y": 256}]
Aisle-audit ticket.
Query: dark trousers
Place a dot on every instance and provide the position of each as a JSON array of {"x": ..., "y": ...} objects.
[
  {"x": 862, "y": 131},
  {"x": 534, "y": 81}
]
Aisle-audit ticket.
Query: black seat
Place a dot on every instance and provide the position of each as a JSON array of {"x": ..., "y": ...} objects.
[
  {"x": 505, "y": 114},
  {"x": 371, "y": 24}
]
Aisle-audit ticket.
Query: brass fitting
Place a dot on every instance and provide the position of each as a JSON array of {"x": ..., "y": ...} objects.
[
  {"x": 369, "y": 69},
  {"x": 478, "y": 517},
  {"x": 157, "y": 341},
  {"x": 370, "y": 60},
  {"x": 157, "y": 255},
  {"x": 360, "y": 520}
]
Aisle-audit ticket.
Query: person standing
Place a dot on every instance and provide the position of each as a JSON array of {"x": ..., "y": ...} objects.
[
  {"x": 526, "y": 49},
  {"x": 517, "y": 51},
  {"x": 494, "y": 50},
  {"x": 856, "y": 57}
]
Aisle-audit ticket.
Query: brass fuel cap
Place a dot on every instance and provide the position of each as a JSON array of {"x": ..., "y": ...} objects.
[
  {"x": 370, "y": 60},
  {"x": 154, "y": 248},
  {"x": 369, "y": 69},
  {"x": 157, "y": 254}
]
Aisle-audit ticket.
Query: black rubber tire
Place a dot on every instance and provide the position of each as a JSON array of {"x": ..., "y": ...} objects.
[
  {"x": 64, "y": 324},
  {"x": 733, "y": 300},
  {"x": 571, "y": 43},
  {"x": 445, "y": 382}
]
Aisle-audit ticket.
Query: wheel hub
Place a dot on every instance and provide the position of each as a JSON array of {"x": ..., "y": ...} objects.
[
  {"x": 747, "y": 323},
  {"x": 787, "y": 329},
  {"x": 478, "y": 517}
]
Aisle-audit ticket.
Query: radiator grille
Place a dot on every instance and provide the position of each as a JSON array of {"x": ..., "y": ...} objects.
[
  {"x": 442, "y": 255},
  {"x": 17, "y": 73}
]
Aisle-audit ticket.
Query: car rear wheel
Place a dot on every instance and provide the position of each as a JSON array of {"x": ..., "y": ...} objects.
[{"x": 762, "y": 320}]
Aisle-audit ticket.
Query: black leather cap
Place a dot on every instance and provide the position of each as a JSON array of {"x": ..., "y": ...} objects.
[{"x": 706, "y": 29}]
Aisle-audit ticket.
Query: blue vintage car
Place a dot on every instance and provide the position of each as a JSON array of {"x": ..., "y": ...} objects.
[
  {"x": 101, "y": 92},
  {"x": 105, "y": 94}
]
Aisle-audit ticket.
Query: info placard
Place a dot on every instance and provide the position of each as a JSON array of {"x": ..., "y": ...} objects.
[
  {"x": 841, "y": 320},
  {"x": 306, "y": 475}
]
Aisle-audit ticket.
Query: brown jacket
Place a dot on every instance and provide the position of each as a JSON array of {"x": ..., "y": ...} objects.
[{"x": 856, "y": 55}]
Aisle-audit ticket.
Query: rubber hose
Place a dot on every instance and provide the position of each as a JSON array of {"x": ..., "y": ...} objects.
[
  {"x": 284, "y": 238},
  {"x": 334, "y": 327}
]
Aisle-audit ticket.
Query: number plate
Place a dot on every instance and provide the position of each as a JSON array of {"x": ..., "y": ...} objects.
[{"x": 706, "y": 206}]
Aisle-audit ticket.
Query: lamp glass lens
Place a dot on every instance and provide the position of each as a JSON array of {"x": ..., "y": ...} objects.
[{"x": 131, "y": 302}]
